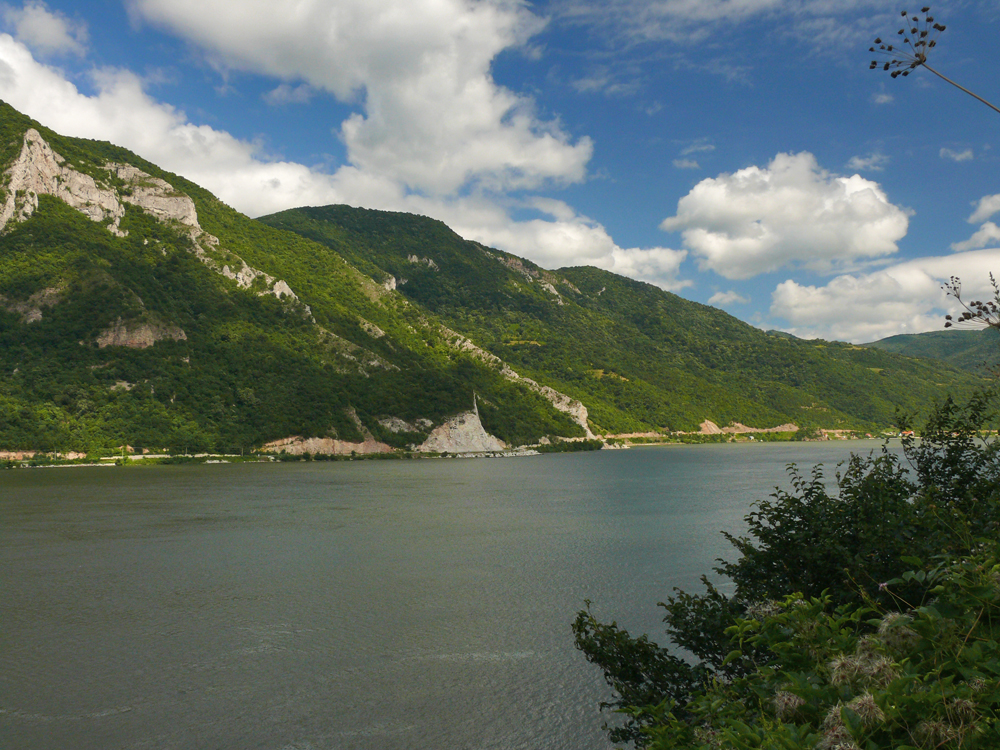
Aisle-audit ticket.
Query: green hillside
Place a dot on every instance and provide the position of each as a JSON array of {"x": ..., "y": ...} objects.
[
  {"x": 638, "y": 357},
  {"x": 977, "y": 351},
  {"x": 249, "y": 368},
  {"x": 136, "y": 308}
]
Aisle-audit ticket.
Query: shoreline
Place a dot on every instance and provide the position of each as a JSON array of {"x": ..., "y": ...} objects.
[{"x": 40, "y": 460}]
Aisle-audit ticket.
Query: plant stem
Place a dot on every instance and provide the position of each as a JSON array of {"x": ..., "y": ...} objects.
[{"x": 977, "y": 96}]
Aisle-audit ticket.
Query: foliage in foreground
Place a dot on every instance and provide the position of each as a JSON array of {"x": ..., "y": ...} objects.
[{"x": 803, "y": 651}]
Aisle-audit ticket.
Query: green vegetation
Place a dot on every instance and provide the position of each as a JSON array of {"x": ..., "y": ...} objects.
[
  {"x": 641, "y": 359},
  {"x": 248, "y": 369},
  {"x": 865, "y": 618},
  {"x": 976, "y": 351},
  {"x": 233, "y": 368}
]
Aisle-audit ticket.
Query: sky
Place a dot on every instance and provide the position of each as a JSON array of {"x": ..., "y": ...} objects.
[{"x": 739, "y": 153}]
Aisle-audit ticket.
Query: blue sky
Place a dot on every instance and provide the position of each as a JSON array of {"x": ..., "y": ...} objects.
[{"x": 737, "y": 152}]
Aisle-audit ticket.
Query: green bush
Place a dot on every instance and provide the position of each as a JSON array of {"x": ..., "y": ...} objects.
[{"x": 940, "y": 502}]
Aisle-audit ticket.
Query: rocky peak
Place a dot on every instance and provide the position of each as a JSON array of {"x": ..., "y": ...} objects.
[{"x": 38, "y": 170}]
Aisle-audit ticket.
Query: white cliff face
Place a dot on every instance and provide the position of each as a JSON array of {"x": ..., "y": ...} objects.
[
  {"x": 137, "y": 335},
  {"x": 39, "y": 170},
  {"x": 462, "y": 434}
]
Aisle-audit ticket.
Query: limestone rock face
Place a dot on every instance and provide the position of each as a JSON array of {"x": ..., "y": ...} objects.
[
  {"x": 39, "y": 170},
  {"x": 296, "y": 446},
  {"x": 156, "y": 197},
  {"x": 138, "y": 335},
  {"x": 462, "y": 434}
]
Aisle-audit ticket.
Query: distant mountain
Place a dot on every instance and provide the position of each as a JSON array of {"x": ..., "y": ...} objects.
[
  {"x": 977, "y": 351},
  {"x": 136, "y": 308},
  {"x": 639, "y": 358}
]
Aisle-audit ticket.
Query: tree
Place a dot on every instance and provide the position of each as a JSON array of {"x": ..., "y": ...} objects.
[{"x": 939, "y": 502}]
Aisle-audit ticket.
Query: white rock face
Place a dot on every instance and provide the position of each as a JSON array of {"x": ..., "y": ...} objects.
[
  {"x": 297, "y": 445},
  {"x": 462, "y": 434},
  {"x": 39, "y": 170},
  {"x": 156, "y": 197}
]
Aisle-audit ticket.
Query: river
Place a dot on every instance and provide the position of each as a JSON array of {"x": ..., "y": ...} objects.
[{"x": 370, "y": 604}]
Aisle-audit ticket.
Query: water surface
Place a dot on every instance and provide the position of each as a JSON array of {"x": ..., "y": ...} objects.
[{"x": 389, "y": 604}]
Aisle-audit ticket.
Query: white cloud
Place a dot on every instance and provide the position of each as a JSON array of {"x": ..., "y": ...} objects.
[
  {"x": 904, "y": 298},
  {"x": 569, "y": 239},
  {"x": 285, "y": 94},
  {"x": 872, "y": 163},
  {"x": 947, "y": 153},
  {"x": 688, "y": 22},
  {"x": 700, "y": 146},
  {"x": 237, "y": 172},
  {"x": 45, "y": 32},
  {"x": 790, "y": 213},
  {"x": 883, "y": 98},
  {"x": 686, "y": 164},
  {"x": 987, "y": 206},
  {"x": 988, "y": 232},
  {"x": 728, "y": 298},
  {"x": 433, "y": 118}
]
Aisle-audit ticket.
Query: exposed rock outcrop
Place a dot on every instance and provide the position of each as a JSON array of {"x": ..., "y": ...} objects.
[
  {"x": 462, "y": 434},
  {"x": 138, "y": 334},
  {"x": 30, "y": 309},
  {"x": 709, "y": 427},
  {"x": 39, "y": 170},
  {"x": 297, "y": 445}
]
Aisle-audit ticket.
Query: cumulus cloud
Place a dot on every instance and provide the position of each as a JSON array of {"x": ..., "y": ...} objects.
[
  {"x": 903, "y": 298},
  {"x": 240, "y": 175},
  {"x": 433, "y": 117},
  {"x": 883, "y": 98},
  {"x": 947, "y": 153},
  {"x": 988, "y": 233},
  {"x": 874, "y": 162},
  {"x": 789, "y": 213},
  {"x": 728, "y": 298},
  {"x": 987, "y": 206},
  {"x": 566, "y": 239},
  {"x": 46, "y": 32},
  {"x": 286, "y": 94}
]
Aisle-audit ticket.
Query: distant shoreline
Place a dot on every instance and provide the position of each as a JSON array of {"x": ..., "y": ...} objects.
[{"x": 39, "y": 460}]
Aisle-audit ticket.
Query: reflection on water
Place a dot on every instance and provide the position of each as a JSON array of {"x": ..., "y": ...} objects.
[{"x": 393, "y": 604}]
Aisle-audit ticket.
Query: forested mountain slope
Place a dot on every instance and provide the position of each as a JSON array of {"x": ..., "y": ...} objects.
[
  {"x": 137, "y": 308},
  {"x": 638, "y": 357},
  {"x": 977, "y": 351}
]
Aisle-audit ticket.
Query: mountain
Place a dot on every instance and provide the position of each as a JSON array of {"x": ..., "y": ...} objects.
[
  {"x": 639, "y": 358},
  {"x": 977, "y": 351},
  {"x": 136, "y": 308}
]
